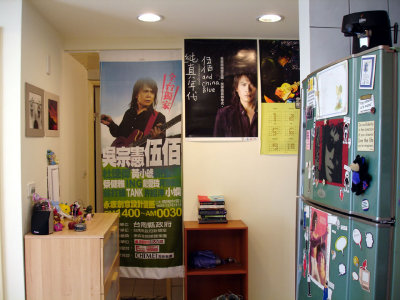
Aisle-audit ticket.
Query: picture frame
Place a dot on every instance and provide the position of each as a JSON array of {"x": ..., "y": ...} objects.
[
  {"x": 332, "y": 91},
  {"x": 34, "y": 104},
  {"x": 331, "y": 151},
  {"x": 52, "y": 114}
]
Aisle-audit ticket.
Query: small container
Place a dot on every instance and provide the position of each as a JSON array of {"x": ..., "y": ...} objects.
[{"x": 80, "y": 227}]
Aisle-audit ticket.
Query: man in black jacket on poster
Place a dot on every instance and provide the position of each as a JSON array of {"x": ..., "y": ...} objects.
[{"x": 141, "y": 120}]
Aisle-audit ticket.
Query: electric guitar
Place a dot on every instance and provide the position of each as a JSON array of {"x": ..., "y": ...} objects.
[{"x": 136, "y": 138}]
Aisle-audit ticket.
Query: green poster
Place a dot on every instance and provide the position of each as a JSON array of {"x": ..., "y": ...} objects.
[{"x": 141, "y": 159}]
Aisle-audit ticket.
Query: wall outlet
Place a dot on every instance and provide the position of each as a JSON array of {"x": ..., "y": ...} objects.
[{"x": 31, "y": 189}]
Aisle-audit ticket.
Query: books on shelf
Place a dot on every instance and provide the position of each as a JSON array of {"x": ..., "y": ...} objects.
[
  {"x": 212, "y": 219},
  {"x": 210, "y": 198},
  {"x": 201, "y": 221},
  {"x": 212, "y": 206},
  {"x": 212, "y": 209},
  {"x": 205, "y": 212}
]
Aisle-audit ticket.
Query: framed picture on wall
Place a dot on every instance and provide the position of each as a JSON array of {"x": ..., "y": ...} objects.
[
  {"x": 52, "y": 114},
  {"x": 34, "y": 119}
]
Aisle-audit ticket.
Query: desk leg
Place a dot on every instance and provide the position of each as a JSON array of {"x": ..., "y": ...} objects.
[{"x": 169, "y": 289}]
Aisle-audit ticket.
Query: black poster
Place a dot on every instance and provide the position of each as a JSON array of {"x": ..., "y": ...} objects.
[
  {"x": 280, "y": 71},
  {"x": 211, "y": 71}
]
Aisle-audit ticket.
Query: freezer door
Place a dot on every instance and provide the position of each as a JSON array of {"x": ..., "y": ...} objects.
[
  {"x": 374, "y": 133},
  {"x": 323, "y": 255},
  {"x": 371, "y": 260},
  {"x": 305, "y": 152},
  {"x": 327, "y": 138},
  {"x": 350, "y": 113}
]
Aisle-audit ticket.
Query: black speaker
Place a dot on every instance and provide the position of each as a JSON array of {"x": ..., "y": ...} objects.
[{"x": 42, "y": 222}]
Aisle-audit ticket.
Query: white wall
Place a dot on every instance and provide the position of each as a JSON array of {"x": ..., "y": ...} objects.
[
  {"x": 259, "y": 189},
  {"x": 26, "y": 41},
  {"x": 10, "y": 161},
  {"x": 38, "y": 42},
  {"x": 1, "y": 151},
  {"x": 68, "y": 80},
  {"x": 74, "y": 133}
]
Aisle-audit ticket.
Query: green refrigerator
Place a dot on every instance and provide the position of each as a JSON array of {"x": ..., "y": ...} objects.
[{"x": 348, "y": 204}]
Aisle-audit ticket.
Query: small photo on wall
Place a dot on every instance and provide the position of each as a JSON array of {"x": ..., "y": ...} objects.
[
  {"x": 34, "y": 119},
  {"x": 52, "y": 115}
]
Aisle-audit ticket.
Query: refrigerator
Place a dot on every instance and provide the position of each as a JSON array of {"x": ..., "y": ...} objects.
[{"x": 348, "y": 189}]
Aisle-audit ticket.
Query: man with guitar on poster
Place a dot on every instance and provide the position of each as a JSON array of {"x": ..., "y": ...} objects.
[{"x": 141, "y": 120}]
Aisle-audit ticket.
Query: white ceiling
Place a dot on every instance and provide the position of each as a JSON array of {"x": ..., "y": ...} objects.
[{"x": 104, "y": 19}]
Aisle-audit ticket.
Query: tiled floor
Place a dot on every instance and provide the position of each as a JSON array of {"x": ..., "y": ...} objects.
[{"x": 149, "y": 289}]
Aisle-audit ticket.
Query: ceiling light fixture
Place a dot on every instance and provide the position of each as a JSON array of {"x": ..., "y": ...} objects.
[
  {"x": 269, "y": 18},
  {"x": 149, "y": 17}
]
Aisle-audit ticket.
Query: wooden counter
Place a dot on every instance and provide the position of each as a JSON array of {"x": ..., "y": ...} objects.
[{"x": 74, "y": 265}]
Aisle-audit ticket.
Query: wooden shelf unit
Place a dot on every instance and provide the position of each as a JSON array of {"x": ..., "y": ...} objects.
[
  {"x": 74, "y": 265},
  {"x": 225, "y": 240}
]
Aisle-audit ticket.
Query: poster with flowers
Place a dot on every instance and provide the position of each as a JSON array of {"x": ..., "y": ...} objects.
[{"x": 280, "y": 88}]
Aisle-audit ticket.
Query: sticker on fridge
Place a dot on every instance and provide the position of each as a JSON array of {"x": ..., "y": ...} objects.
[
  {"x": 320, "y": 231},
  {"x": 333, "y": 91},
  {"x": 367, "y": 72},
  {"x": 366, "y": 104},
  {"x": 366, "y": 136},
  {"x": 364, "y": 276},
  {"x": 330, "y": 154},
  {"x": 341, "y": 243}
]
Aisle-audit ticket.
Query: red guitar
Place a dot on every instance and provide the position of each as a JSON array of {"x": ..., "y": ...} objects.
[{"x": 136, "y": 138}]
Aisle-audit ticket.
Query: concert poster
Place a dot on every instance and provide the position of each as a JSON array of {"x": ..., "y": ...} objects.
[
  {"x": 210, "y": 68},
  {"x": 142, "y": 181},
  {"x": 280, "y": 88}
]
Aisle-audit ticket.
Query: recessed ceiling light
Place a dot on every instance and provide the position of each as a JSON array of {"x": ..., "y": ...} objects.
[
  {"x": 149, "y": 17},
  {"x": 269, "y": 18}
]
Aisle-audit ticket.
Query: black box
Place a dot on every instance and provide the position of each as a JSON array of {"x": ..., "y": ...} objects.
[{"x": 42, "y": 222}]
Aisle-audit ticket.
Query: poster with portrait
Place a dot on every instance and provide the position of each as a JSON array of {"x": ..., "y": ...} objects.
[
  {"x": 221, "y": 89},
  {"x": 331, "y": 151},
  {"x": 141, "y": 168},
  {"x": 280, "y": 87},
  {"x": 319, "y": 251}
]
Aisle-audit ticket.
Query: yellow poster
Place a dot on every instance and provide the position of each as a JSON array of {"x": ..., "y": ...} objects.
[{"x": 279, "y": 128}]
